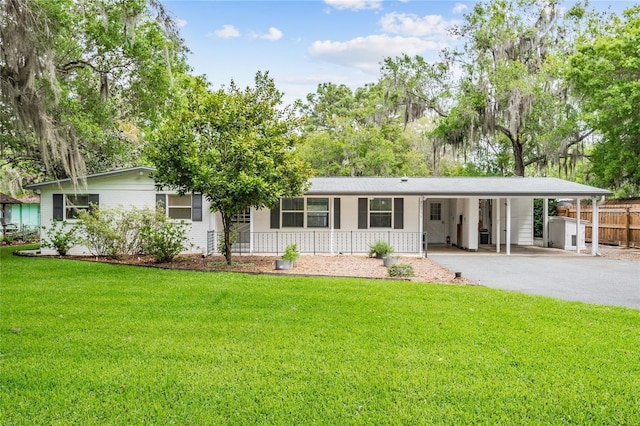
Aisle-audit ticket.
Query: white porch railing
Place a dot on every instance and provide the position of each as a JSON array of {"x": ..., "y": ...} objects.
[{"x": 321, "y": 242}]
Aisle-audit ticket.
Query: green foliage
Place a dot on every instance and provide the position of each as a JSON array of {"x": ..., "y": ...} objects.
[
  {"x": 82, "y": 81},
  {"x": 605, "y": 72},
  {"x": 380, "y": 249},
  {"x": 291, "y": 253},
  {"x": 222, "y": 243},
  {"x": 111, "y": 344},
  {"x": 163, "y": 238},
  {"x": 538, "y": 214},
  {"x": 60, "y": 236},
  {"x": 237, "y": 148},
  {"x": 401, "y": 270},
  {"x": 115, "y": 231}
]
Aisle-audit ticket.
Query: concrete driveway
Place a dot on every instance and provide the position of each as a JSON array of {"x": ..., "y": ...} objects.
[{"x": 563, "y": 276}]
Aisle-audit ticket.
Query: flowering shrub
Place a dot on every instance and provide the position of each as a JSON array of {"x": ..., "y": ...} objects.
[{"x": 59, "y": 237}]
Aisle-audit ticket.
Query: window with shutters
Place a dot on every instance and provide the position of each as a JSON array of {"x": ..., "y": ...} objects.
[
  {"x": 293, "y": 212},
  {"x": 317, "y": 212},
  {"x": 74, "y": 204},
  {"x": 380, "y": 212},
  {"x": 179, "y": 206}
]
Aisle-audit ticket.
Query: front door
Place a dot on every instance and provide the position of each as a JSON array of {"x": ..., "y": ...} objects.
[{"x": 435, "y": 214}]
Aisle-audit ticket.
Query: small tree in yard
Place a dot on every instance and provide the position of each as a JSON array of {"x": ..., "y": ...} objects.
[{"x": 235, "y": 147}]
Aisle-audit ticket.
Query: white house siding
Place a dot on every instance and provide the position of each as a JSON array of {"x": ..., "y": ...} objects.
[
  {"x": 123, "y": 190},
  {"x": 347, "y": 239}
]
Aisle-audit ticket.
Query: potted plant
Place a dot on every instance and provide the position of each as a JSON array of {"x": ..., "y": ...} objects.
[
  {"x": 380, "y": 249},
  {"x": 390, "y": 260},
  {"x": 289, "y": 257}
]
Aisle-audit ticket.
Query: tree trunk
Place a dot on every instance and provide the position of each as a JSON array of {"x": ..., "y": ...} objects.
[
  {"x": 518, "y": 162},
  {"x": 226, "y": 225}
]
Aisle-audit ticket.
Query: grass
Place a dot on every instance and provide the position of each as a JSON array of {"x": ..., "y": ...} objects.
[{"x": 89, "y": 343}]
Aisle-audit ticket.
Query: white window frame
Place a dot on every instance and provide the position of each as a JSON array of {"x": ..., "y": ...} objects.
[
  {"x": 312, "y": 212},
  {"x": 305, "y": 212},
  {"x": 174, "y": 205},
  {"x": 380, "y": 212},
  {"x": 292, "y": 212},
  {"x": 69, "y": 206}
]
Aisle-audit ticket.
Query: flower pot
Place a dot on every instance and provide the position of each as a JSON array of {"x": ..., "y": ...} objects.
[
  {"x": 282, "y": 264},
  {"x": 388, "y": 261}
]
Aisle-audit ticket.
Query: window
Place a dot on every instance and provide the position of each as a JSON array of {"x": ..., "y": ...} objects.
[
  {"x": 380, "y": 212},
  {"x": 179, "y": 206},
  {"x": 74, "y": 204},
  {"x": 435, "y": 211},
  {"x": 67, "y": 206},
  {"x": 293, "y": 212},
  {"x": 317, "y": 212}
]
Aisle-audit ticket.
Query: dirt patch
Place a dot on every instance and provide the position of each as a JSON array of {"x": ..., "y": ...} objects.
[{"x": 320, "y": 265}]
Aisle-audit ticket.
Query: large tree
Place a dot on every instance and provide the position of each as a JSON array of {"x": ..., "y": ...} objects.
[
  {"x": 605, "y": 72},
  {"x": 509, "y": 96},
  {"x": 81, "y": 80},
  {"x": 236, "y": 147},
  {"x": 352, "y": 134}
]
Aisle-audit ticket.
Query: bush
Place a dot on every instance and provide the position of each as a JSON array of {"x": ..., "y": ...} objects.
[
  {"x": 114, "y": 232},
  {"x": 401, "y": 270},
  {"x": 60, "y": 237},
  {"x": 291, "y": 253},
  {"x": 380, "y": 249},
  {"x": 164, "y": 239}
]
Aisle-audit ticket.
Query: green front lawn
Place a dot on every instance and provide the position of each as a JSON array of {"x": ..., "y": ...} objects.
[{"x": 87, "y": 343}]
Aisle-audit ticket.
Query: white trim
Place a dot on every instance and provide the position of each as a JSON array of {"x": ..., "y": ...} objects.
[
  {"x": 578, "y": 226},
  {"x": 545, "y": 223},
  {"x": 508, "y": 218}
]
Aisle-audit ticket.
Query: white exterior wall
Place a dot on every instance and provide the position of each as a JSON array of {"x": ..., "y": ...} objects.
[
  {"x": 521, "y": 221},
  {"x": 124, "y": 190}
]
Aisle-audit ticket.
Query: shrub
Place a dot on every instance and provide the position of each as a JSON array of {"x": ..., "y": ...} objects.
[
  {"x": 59, "y": 237},
  {"x": 114, "y": 232},
  {"x": 401, "y": 270},
  {"x": 291, "y": 253},
  {"x": 164, "y": 239},
  {"x": 380, "y": 249}
]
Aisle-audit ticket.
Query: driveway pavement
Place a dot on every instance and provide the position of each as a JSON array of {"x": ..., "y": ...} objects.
[{"x": 570, "y": 277}]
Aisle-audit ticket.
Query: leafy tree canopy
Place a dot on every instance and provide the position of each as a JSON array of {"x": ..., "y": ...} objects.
[
  {"x": 236, "y": 147},
  {"x": 81, "y": 81},
  {"x": 605, "y": 72}
]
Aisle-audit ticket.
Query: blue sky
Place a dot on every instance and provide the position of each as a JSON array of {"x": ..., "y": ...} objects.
[{"x": 307, "y": 42}]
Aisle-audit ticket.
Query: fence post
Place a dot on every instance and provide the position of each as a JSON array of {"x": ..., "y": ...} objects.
[{"x": 627, "y": 234}]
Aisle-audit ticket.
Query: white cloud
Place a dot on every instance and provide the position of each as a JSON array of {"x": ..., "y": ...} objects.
[
  {"x": 273, "y": 34},
  {"x": 354, "y": 4},
  {"x": 181, "y": 23},
  {"x": 366, "y": 53},
  {"x": 413, "y": 25},
  {"x": 459, "y": 8},
  {"x": 227, "y": 31}
]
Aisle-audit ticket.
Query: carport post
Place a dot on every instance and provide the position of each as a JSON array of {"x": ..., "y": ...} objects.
[
  {"x": 545, "y": 223},
  {"x": 508, "y": 217},
  {"x": 578, "y": 226},
  {"x": 498, "y": 226},
  {"x": 595, "y": 224}
]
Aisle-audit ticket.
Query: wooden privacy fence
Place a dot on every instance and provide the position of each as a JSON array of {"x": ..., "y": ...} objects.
[{"x": 617, "y": 224}]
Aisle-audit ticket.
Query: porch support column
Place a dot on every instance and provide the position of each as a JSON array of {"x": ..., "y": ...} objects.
[
  {"x": 421, "y": 243},
  {"x": 251, "y": 230},
  {"x": 545, "y": 223},
  {"x": 578, "y": 225},
  {"x": 331, "y": 216},
  {"x": 508, "y": 218},
  {"x": 595, "y": 224},
  {"x": 498, "y": 225}
]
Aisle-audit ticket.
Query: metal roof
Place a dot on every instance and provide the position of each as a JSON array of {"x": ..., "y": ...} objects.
[
  {"x": 440, "y": 187},
  {"x": 453, "y": 187}
]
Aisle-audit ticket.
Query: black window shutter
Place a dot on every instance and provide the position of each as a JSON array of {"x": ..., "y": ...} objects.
[
  {"x": 275, "y": 217},
  {"x": 94, "y": 200},
  {"x": 363, "y": 213},
  {"x": 58, "y": 207},
  {"x": 196, "y": 207},
  {"x": 336, "y": 213},
  {"x": 161, "y": 201},
  {"x": 398, "y": 213}
]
